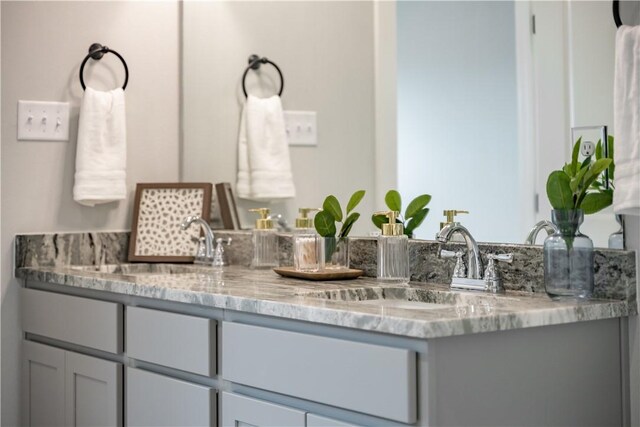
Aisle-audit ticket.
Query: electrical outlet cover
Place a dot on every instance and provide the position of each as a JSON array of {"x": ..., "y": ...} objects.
[{"x": 587, "y": 148}]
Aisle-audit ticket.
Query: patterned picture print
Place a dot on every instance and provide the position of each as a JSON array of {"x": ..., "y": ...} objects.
[{"x": 157, "y": 235}]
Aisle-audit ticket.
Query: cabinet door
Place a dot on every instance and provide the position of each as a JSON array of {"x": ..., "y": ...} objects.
[
  {"x": 318, "y": 421},
  {"x": 241, "y": 411},
  {"x": 43, "y": 382},
  {"x": 157, "y": 400},
  {"x": 93, "y": 391}
]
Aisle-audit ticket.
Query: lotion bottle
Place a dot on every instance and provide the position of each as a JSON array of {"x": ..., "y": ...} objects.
[
  {"x": 265, "y": 241},
  {"x": 393, "y": 251},
  {"x": 308, "y": 246}
]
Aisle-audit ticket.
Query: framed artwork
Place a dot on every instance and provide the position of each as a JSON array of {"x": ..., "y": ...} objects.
[
  {"x": 227, "y": 206},
  {"x": 159, "y": 209}
]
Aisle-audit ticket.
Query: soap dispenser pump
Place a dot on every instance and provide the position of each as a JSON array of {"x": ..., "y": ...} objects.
[
  {"x": 265, "y": 241},
  {"x": 308, "y": 246},
  {"x": 393, "y": 251}
]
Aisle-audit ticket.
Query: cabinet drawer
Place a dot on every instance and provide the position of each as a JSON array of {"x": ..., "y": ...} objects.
[
  {"x": 82, "y": 321},
  {"x": 175, "y": 340},
  {"x": 157, "y": 400},
  {"x": 245, "y": 411},
  {"x": 367, "y": 378},
  {"x": 318, "y": 421}
]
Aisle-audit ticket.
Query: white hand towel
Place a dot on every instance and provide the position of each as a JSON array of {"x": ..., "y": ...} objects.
[
  {"x": 101, "y": 152},
  {"x": 264, "y": 165},
  {"x": 626, "y": 121}
]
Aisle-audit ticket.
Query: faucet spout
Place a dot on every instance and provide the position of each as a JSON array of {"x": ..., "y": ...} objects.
[
  {"x": 545, "y": 225},
  {"x": 208, "y": 233},
  {"x": 474, "y": 262}
]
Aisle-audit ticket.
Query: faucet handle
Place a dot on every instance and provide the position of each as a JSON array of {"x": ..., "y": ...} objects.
[
  {"x": 492, "y": 278},
  {"x": 460, "y": 270}
]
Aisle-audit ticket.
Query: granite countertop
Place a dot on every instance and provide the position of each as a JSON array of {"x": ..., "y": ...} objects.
[{"x": 364, "y": 303}]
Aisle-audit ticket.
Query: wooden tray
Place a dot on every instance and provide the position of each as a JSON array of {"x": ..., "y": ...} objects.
[{"x": 342, "y": 274}]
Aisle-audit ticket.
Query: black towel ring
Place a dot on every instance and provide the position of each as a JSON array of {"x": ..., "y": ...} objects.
[
  {"x": 616, "y": 13},
  {"x": 254, "y": 64},
  {"x": 97, "y": 51}
]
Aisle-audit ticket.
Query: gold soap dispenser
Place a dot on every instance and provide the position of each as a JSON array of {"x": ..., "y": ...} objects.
[
  {"x": 308, "y": 246},
  {"x": 450, "y": 215},
  {"x": 393, "y": 251},
  {"x": 265, "y": 241}
]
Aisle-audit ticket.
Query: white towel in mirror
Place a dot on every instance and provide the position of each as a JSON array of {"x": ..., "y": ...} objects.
[{"x": 264, "y": 165}]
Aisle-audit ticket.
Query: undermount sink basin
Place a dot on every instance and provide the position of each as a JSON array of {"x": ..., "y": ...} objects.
[{"x": 416, "y": 298}]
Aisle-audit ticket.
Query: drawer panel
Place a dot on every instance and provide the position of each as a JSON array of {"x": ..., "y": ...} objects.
[
  {"x": 318, "y": 421},
  {"x": 368, "y": 378},
  {"x": 157, "y": 400},
  {"x": 82, "y": 321},
  {"x": 175, "y": 340}
]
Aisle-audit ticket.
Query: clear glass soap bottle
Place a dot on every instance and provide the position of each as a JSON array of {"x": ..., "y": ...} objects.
[
  {"x": 308, "y": 246},
  {"x": 393, "y": 251},
  {"x": 265, "y": 241}
]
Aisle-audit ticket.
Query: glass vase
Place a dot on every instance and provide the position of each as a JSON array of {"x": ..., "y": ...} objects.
[
  {"x": 336, "y": 253},
  {"x": 568, "y": 258}
]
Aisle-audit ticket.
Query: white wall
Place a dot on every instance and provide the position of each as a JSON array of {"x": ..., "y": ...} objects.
[
  {"x": 325, "y": 51},
  {"x": 43, "y": 44},
  {"x": 457, "y": 114}
]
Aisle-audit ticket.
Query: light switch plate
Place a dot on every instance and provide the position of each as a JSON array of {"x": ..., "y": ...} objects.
[
  {"x": 301, "y": 127},
  {"x": 43, "y": 121}
]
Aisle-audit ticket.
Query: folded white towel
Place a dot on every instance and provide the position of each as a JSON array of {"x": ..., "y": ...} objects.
[
  {"x": 626, "y": 121},
  {"x": 264, "y": 166},
  {"x": 101, "y": 152}
]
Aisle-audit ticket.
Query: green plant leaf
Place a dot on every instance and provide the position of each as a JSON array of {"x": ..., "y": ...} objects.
[
  {"x": 592, "y": 174},
  {"x": 585, "y": 163},
  {"x": 559, "y": 190},
  {"x": 332, "y": 206},
  {"x": 594, "y": 202},
  {"x": 354, "y": 200},
  {"x": 348, "y": 224},
  {"x": 599, "y": 150},
  {"x": 416, "y": 221},
  {"x": 577, "y": 180},
  {"x": 325, "y": 224},
  {"x": 378, "y": 220},
  {"x": 568, "y": 169},
  {"x": 612, "y": 167},
  {"x": 393, "y": 200},
  {"x": 574, "y": 156},
  {"x": 417, "y": 205}
]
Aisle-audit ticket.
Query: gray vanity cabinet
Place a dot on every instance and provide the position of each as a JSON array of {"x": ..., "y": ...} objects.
[
  {"x": 318, "y": 421},
  {"x": 64, "y": 388},
  {"x": 240, "y": 410}
]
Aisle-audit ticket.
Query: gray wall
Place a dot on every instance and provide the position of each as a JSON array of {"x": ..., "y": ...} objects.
[
  {"x": 43, "y": 44},
  {"x": 325, "y": 51}
]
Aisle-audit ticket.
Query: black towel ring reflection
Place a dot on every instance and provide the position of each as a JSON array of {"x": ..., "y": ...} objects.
[
  {"x": 97, "y": 51},
  {"x": 254, "y": 64},
  {"x": 616, "y": 13}
]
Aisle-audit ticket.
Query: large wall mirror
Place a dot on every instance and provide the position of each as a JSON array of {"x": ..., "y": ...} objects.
[{"x": 471, "y": 102}]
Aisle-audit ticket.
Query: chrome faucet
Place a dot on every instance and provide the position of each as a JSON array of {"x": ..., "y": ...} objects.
[
  {"x": 207, "y": 259},
  {"x": 474, "y": 263},
  {"x": 545, "y": 225}
]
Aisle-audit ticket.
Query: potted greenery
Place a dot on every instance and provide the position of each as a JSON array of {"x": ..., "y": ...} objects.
[
  {"x": 578, "y": 189},
  {"x": 413, "y": 216},
  {"x": 336, "y": 246}
]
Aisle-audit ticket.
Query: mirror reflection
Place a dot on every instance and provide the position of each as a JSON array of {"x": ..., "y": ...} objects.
[{"x": 470, "y": 102}]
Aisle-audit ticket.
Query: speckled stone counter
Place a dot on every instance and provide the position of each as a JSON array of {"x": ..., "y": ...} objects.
[{"x": 363, "y": 303}]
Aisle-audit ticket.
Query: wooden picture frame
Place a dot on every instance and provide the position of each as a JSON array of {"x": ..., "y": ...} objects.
[
  {"x": 227, "y": 206},
  {"x": 159, "y": 209}
]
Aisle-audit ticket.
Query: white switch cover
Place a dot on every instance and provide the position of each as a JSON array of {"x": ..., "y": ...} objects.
[
  {"x": 43, "y": 121},
  {"x": 301, "y": 127}
]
